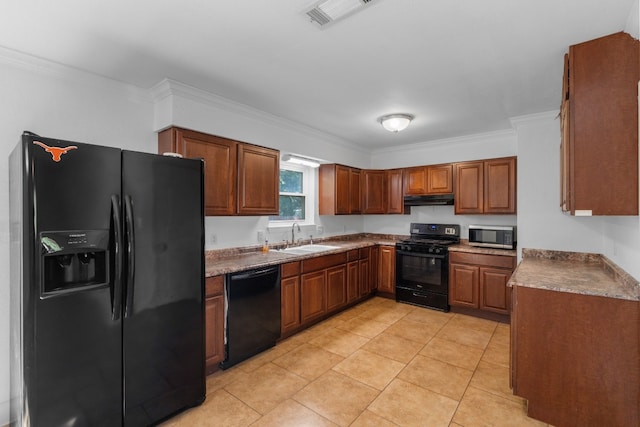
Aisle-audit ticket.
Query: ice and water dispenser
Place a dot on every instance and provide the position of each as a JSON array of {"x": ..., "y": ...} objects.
[{"x": 74, "y": 261}]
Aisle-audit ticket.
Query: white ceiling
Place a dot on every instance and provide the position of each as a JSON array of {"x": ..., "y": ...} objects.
[{"x": 460, "y": 66}]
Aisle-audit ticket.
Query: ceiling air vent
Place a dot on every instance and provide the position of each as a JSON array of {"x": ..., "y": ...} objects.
[{"x": 328, "y": 11}]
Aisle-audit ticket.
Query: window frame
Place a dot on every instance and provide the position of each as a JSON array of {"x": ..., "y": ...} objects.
[{"x": 309, "y": 179}]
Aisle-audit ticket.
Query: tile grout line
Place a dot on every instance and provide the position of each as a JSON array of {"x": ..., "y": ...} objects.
[
  {"x": 472, "y": 375},
  {"x": 406, "y": 365}
]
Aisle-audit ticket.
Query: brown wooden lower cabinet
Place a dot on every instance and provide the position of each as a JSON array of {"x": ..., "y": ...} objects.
[
  {"x": 290, "y": 304},
  {"x": 387, "y": 270},
  {"x": 364, "y": 272},
  {"x": 493, "y": 292},
  {"x": 353, "y": 278},
  {"x": 336, "y": 287},
  {"x": 314, "y": 288},
  {"x": 313, "y": 302},
  {"x": 463, "y": 285},
  {"x": 214, "y": 322},
  {"x": 575, "y": 357},
  {"x": 479, "y": 281}
]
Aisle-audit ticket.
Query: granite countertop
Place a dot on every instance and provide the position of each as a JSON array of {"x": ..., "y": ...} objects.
[
  {"x": 463, "y": 246},
  {"x": 231, "y": 260},
  {"x": 573, "y": 272},
  {"x": 238, "y": 259}
]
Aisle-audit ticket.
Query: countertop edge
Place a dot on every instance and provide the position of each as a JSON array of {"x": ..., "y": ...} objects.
[
  {"x": 621, "y": 285},
  {"x": 231, "y": 260}
]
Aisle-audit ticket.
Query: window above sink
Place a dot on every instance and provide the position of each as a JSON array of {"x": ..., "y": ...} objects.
[{"x": 297, "y": 196}]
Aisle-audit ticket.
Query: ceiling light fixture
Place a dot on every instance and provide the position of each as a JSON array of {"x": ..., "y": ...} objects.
[
  {"x": 300, "y": 160},
  {"x": 327, "y": 11},
  {"x": 395, "y": 122}
]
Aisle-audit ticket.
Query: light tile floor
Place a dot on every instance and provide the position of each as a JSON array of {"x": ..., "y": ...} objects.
[{"x": 379, "y": 364}]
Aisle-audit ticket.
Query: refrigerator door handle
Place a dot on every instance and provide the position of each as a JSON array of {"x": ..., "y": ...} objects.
[
  {"x": 131, "y": 265},
  {"x": 116, "y": 297}
]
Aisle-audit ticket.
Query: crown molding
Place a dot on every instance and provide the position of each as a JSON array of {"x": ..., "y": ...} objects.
[
  {"x": 168, "y": 87},
  {"x": 535, "y": 117},
  {"x": 449, "y": 142},
  {"x": 48, "y": 68}
]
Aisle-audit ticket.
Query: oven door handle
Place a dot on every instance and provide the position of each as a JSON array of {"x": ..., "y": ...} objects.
[{"x": 420, "y": 255}]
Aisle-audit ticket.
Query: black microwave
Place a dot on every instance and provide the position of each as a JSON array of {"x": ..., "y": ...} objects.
[{"x": 493, "y": 236}]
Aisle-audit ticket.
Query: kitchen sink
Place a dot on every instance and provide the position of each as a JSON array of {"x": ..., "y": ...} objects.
[{"x": 307, "y": 249}]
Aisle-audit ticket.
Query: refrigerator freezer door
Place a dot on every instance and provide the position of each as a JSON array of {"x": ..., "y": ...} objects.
[
  {"x": 71, "y": 345},
  {"x": 164, "y": 293}
]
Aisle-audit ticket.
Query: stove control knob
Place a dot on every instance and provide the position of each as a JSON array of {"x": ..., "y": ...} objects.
[
  {"x": 438, "y": 250},
  {"x": 430, "y": 250}
]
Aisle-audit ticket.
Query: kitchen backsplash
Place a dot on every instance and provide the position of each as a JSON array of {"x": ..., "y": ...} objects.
[{"x": 229, "y": 232}]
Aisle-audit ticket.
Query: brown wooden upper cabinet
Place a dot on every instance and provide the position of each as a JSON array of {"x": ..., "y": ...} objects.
[
  {"x": 258, "y": 180},
  {"x": 421, "y": 180},
  {"x": 374, "y": 191},
  {"x": 382, "y": 191},
  {"x": 599, "y": 121},
  {"x": 486, "y": 187},
  {"x": 340, "y": 190},
  {"x": 240, "y": 178},
  {"x": 395, "y": 202}
]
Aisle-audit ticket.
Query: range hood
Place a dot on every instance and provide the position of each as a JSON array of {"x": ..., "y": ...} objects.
[{"x": 433, "y": 200}]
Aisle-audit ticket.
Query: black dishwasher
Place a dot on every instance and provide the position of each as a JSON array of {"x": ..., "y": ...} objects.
[{"x": 252, "y": 322}]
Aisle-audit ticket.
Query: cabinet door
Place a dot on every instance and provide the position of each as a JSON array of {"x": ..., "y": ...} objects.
[
  {"x": 415, "y": 181},
  {"x": 469, "y": 188},
  {"x": 220, "y": 159},
  {"x": 494, "y": 293},
  {"x": 500, "y": 186},
  {"x": 290, "y": 308},
  {"x": 339, "y": 190},
  {"x": 336, "y": 287},
  {"x": 395, "y": 202},
  {"x": 342, "y": 196},
  {"x": 365, "y": 281},
  {"x": 214, "y": 330},
  {"x": 566, "y": 202},
  {"x": 374, "y": 191},
  {"x": 214, "y": 322},
  {"x": 440, "y": 179},
  {"x": 313, "y": 303},
  {"x": 354, "y": 191},
  {"x": 353, "y": 276},
  {"x": 463, "y": 285},
  {"x": 387, "y": 270},
  {"x": 374, "y": 260},
  {"x": 258, "y": 180}
]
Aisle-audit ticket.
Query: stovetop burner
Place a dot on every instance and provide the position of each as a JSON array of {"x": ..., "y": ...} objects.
[{"x": 430, "y": 238}]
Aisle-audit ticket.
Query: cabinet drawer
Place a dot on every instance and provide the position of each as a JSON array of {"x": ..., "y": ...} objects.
[
  {"x": 364, "y": 253},
  {"x": 326, "y": 261},
  {"x": 290, "y": 269},
  {"x": 214, "y": 285},
  {"x": 353, "y": 255},
  {"x": 484, "y": 260}
]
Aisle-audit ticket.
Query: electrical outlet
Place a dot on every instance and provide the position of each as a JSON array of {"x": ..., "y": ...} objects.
[
  {"x": 260, "y": 236},
  {"x": 320, "y": 229},
  {"x": 213, "y": 239}
]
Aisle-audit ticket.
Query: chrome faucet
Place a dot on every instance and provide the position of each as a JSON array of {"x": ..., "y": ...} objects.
[{"x": 293, "y": 236}]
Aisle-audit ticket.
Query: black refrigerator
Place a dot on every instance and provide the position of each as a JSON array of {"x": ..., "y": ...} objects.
[{"x": 107, "y": 285}]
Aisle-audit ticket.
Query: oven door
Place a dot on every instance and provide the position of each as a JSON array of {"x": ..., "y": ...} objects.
[{"x": 422, "y": 272}]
